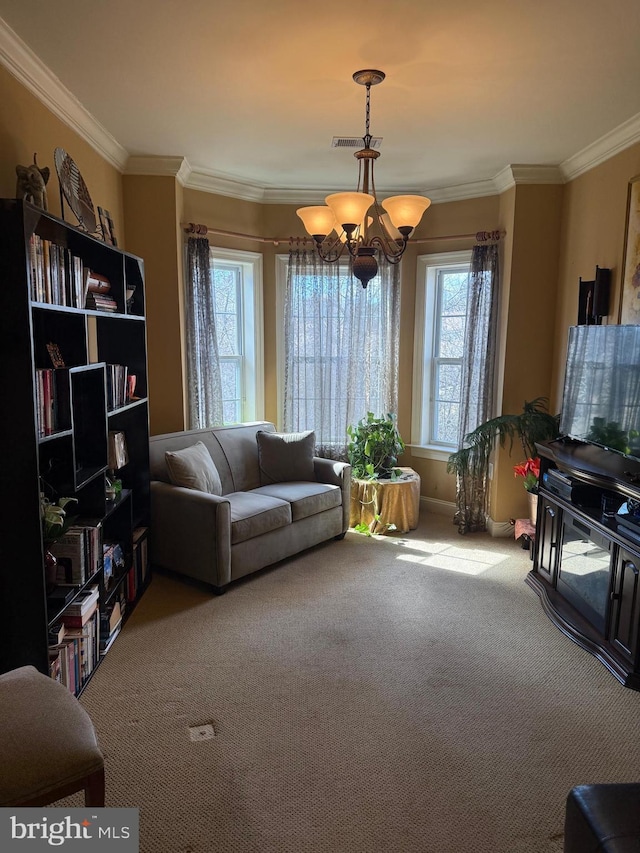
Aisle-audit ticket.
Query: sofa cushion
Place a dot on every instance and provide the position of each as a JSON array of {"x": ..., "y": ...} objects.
[
  {"x": 305, "y": 498},
  {"x": 193, "y": 468},
  {"x": 253, "y": 514},
  {"x": 284, "y": 457}
]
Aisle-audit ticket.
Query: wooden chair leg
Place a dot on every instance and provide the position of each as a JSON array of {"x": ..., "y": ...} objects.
[{"x": 94, "y": 789}]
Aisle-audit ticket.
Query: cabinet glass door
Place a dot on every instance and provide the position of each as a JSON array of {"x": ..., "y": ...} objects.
[{"x": 585, "y": 569}]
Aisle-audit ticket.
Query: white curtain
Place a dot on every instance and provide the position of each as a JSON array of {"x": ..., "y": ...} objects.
[
  {"x": 203, "y": 363},
  {"x": 341, "y": 348}
]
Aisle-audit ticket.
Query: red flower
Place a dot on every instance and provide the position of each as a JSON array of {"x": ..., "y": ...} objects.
[{"x": 530, "y": 471}]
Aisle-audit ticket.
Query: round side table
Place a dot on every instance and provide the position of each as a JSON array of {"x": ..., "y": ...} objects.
[{"x": 381, "y": 503}]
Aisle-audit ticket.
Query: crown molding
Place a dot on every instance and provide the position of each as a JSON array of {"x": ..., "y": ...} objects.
[
  {"x": 174, "y": 167},
  {"x": 518, "y": 173},
  {"x": 34, "y": 75},
  {"x": 621, "y": 137},
  {"x": 461, "y": 192},
  {"x": 214, "y": 182}
]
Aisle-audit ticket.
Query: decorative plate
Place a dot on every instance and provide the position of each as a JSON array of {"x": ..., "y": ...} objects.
[{"x": 75, "y": 190}]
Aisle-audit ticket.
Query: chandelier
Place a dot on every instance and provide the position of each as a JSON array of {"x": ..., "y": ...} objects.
[{"x": 355, "y": 221}]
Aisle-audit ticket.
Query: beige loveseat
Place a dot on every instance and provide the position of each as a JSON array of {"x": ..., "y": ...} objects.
[{"x": 267, "y": 497}]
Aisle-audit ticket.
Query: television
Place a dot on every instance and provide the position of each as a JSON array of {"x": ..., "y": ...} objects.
[{"x": 601, "y": 398}]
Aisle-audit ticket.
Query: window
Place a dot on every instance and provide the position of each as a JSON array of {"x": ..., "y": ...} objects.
[
  {"x": 236, "y": 279},
  {"x": 338, "y": 352},
  {"x": 441, "y": 313}
]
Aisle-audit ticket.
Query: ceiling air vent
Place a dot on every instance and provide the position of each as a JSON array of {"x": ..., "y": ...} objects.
[{"x": 354, "y": 142}]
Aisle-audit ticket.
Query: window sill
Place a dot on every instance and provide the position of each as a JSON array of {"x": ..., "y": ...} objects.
[{"x": 430, "y": 452}]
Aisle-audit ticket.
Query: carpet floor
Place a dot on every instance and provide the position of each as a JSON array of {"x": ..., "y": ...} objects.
[{"x": 398, "y": 694}]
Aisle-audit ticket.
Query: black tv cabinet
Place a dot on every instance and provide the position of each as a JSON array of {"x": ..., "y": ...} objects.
[{"x": 586, "y": 567}]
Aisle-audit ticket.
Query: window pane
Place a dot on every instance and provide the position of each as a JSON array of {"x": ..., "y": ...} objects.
[
  {"x": 231, "y": 412},
  {"x": 451, "y": 338},
  {"x": 227, "y": 307},
  {"x": 446, "y": 423},
  {"x": 231, "y": 396},
  {"x": 448, "y": 382},
  {"x": 227, "y": 334},
  {"x": 454, "y": 292},
  {"x": 226, "y": 293}
]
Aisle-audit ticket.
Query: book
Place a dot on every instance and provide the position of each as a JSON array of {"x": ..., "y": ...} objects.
[
  {"x": 69, "y": 550},
  {"x": 78, "y": 620},
  {"x": 140, "y": 557},
  {"x": 56, "y": 633},
  {"x": 84, "y": 603},
  {"x": 106, "y": 645},
  {"x": 97, "y": 283}
]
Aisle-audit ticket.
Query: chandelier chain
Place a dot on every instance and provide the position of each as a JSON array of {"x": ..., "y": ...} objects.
[{"x": 367, "y": 114}]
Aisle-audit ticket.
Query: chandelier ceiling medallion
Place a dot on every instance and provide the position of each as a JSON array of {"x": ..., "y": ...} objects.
[{"x": 355, "y": 220}]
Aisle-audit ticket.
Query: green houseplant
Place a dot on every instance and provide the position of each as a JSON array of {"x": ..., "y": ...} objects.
[
  {"x": 374, "y": 446},
  {"x": 55, "y": 523},
  {"x": 533, "y": 424}
]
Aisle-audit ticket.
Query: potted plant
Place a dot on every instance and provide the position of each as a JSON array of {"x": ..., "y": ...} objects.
[
  {"x": 374, "y": 446},
  {"x": 529, "y": 470},
  {"x": 533, "y": 424},
  {"x": 55, "y": 523}
]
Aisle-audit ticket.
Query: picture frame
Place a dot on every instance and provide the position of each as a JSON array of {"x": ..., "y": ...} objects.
[
  {"x": 55, "y": 355},
  {"x": 106, "y": 227},
  {"x": 629, "y": 313}
]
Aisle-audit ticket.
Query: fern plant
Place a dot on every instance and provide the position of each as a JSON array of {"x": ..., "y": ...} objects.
[{"x": 533, "y": 424}]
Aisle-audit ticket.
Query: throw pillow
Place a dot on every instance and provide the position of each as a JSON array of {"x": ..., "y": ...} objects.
[
  {"x": 286, "y": 456},
  {"x": 194, "y": 468}
]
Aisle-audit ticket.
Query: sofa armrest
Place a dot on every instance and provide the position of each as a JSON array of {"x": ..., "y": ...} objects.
[
  {"x": 336, "y": 474},
  {"x": 190, "y": 533}
]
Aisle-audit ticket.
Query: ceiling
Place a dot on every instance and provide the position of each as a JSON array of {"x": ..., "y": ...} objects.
[{"x": 253, "y": 92}]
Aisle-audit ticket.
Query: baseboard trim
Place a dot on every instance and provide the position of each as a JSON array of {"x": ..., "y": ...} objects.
[
  {"x": 437, "y": 506},
  {"x": 499, "y": 529}
]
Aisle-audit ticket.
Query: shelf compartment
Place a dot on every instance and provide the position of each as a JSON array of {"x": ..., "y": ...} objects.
[
  {"x": 118, "y": 340},
  {"x": 89, "y": 422},
  {"x": 64, "y": 327},
  {"x": 134, "y": 279}
]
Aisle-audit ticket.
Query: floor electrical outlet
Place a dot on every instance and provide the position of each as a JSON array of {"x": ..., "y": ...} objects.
[{"x": 203, "y": 732}]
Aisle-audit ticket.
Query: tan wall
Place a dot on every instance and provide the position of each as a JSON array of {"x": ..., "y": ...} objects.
[
  {"x": 593, "y": 229},
  {"x": 153, "y": 208},
  {"x": 528, "y": 296},
  {"x": 27, "y": 126}
]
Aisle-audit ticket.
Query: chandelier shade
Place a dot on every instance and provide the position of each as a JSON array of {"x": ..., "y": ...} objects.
[
  {"x": 385, "y": 230},
  {"x": 318, "y": 220},
  {"x": 405, "y": 211},
  {"x": 349, "y": 209}
]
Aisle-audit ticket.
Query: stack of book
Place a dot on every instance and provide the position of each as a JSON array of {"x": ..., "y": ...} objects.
[
  {"x": 117, "y": 386},
  {"x": 57, "y": 276},
  {"x": 74, "y": 641},
  {"x": 79, "y": 553},
  {"x": 52, "y": 400},
  {"x": 113, "y": 562},
  {"x": 98, "y": 297},
  {"x": 110, "y": 626}
]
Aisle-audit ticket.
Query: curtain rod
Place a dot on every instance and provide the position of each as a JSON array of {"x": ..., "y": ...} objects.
[{"x": 202, "y": 230}]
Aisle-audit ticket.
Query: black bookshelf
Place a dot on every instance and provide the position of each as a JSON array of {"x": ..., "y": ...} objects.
[{"x": 59, "y": 404}]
